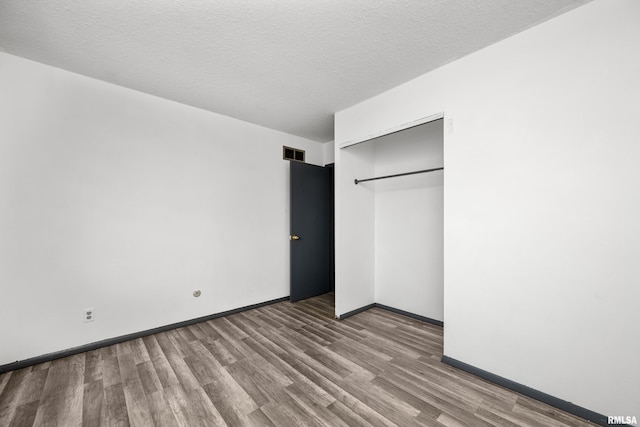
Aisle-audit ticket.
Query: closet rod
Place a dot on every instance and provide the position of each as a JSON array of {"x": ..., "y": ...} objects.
[{"x": 356, "y": 181}]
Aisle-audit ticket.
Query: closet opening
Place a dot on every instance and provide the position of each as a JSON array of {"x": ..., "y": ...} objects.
[{"x": 392, "y": 200}]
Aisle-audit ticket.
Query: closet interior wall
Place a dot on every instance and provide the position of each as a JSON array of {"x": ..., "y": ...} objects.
[
  {"x": 355, "y": 229},
  {"x": 409, "y": 260}
]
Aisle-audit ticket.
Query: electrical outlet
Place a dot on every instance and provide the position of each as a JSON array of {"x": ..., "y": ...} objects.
[
  {"x": 197, "y": 293},
  {"x": 88, "y": 315}
]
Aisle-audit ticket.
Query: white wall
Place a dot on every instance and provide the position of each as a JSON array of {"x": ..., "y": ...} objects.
[
  {"x": 113, "y": 199},
  {"x": 541, "y": 208},
  {"x": 327, "y": 155},
  {"x": 409, "y": 265},
  {"x": 355, "y": 228}
]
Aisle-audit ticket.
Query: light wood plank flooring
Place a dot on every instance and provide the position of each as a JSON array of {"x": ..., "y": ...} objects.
[{"x": 284, "y": 365}]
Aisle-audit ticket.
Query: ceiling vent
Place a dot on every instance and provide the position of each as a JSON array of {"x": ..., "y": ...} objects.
[{"x": 289, "y": 153}]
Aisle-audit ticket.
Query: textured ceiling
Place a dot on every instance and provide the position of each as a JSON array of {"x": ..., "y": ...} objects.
[{"x": 284, "y": 64}]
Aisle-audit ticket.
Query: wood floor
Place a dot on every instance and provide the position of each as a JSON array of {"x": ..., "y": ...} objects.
[{"x": 284, "y": 365}]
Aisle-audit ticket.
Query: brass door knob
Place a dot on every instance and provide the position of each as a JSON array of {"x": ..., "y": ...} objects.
[{"x": 294, "y": 237}]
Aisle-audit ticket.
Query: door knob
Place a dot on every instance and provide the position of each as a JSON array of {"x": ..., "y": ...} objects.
[{"x": 294, "y": 237}]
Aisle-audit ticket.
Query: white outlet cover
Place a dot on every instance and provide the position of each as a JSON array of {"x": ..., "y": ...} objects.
[{"x": 88, "y": 315}]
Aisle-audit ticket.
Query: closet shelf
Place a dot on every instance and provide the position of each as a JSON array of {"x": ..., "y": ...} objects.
[{"x": 356, "y": 181}]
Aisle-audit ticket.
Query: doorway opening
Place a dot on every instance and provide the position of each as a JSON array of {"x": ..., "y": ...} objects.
[{"x": 312, "y": 246}]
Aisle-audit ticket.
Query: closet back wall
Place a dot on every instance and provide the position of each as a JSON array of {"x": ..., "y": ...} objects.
[
  {"x": 409, "y": 264},
  {"x": 121, "y": 201}
]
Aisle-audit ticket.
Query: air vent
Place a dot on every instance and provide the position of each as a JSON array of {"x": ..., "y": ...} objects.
[{"x": 289, "y": 153}]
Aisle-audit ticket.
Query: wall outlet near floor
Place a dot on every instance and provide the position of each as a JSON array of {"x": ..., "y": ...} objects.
[
  {"x": 197, "y": 293},
  {"x": 88, "y": 315}
]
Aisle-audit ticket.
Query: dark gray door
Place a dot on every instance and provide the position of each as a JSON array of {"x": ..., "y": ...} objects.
[{"x": 311, "y": 208}]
